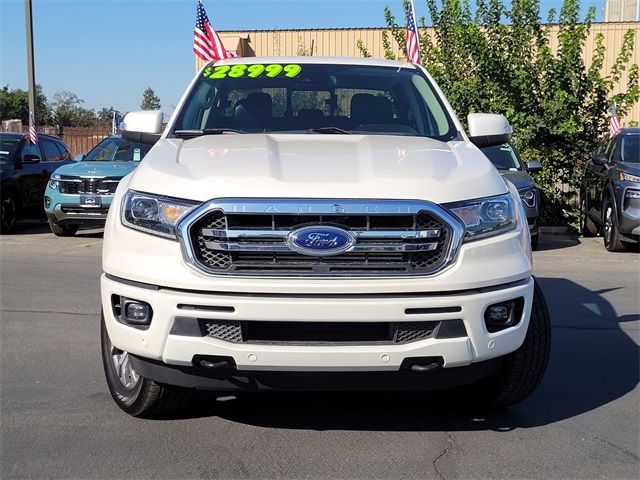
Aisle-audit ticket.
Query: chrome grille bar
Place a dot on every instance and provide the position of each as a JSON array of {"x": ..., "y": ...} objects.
[
  {"x": 370, "y": 234},
  {"x": 282, "y": 247}
]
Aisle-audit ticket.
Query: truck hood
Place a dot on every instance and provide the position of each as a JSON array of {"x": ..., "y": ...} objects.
[
  {"x": 317, "y": 166},
  {"x": 98, "y": 169}
]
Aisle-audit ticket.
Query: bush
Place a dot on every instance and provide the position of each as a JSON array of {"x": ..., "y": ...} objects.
[{"x": 498, "y": 59}]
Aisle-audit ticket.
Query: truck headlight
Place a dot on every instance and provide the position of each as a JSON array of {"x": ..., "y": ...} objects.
[
  {"x": 485, "y": 217},
  {"x": 528, "y": 196},
  {"x": 154, "y": 213}
]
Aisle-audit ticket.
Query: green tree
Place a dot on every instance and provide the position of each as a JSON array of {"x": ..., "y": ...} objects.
[
  {"x": 15, "y": 104},
  {"x": 497, "y": 58},
  {"x": 150, "y": 100}
]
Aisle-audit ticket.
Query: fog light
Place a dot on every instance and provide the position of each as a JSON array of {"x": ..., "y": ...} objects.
[
  {"x": 632, "y": 193},
  {"x": 136, "y": 312},
  {"x": 47, "y": 202},
  {"x": 503, "y": 315}
]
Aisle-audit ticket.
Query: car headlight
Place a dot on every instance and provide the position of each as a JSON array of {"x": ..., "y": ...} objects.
[
  {"x": 53, "y": 181},
  {"x": 626, "y": 177},
  {"x": 528, "y": 196},
  {"x": 154, "y": 213},
  {"x": 485, "y": 217}
]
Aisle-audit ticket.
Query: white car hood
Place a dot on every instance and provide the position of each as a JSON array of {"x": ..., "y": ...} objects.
[{"x": 317, "y": 166}]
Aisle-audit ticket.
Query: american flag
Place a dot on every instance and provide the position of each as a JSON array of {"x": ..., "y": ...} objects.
[
  {"x": 614, "y": 121},
  {"x": 32, "y": 134},
  {"x": 206, "y": 42},
  {"x": 411, "y": 35}
]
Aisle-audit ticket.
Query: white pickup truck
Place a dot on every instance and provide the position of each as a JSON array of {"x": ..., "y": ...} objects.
[{"x": 308, "y": 223}]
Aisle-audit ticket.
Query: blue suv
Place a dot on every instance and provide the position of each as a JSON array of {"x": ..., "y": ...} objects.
[{"x": 80, "y": 193}]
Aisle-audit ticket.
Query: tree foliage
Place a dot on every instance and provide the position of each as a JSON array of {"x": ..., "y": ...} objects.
[
  {"x": 150, "y": 100},
  {"x": 497, "y": 57},
  {"x": 15, "y": 104}
]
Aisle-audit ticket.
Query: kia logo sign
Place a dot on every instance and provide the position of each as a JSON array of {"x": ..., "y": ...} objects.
[{"x": 320, "y": 241}]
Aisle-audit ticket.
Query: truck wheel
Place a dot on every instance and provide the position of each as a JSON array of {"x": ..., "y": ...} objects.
[
  {"x": 522, "y": 370},
  {"x": 8, "y": 213},
  {"x": 136, "y": 395},
  {"x": 63, "y": 230},
  {"x": 610, "y": 233},
  {"x": 587, "y": 227}
]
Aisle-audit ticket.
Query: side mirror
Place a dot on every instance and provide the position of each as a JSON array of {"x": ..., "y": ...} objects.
[
  {"x": 534, "y": 166},
  {"x": 488, "y": 129},
  {"x": 599, "y": 159},
  {"x": 79, "y": 157},
  {"x": 144, "y": 126},
  {"x": 30, "y": 159}
]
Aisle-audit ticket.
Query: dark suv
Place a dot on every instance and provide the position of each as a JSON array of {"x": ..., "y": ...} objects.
[
  {"x": 507, "y": 160},
  {"x": 610, "y": 193},
  {"x": 25, "y": 169}
]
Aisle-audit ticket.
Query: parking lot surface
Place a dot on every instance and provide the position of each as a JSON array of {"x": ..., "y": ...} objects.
[{"x": 58, "y": 420}]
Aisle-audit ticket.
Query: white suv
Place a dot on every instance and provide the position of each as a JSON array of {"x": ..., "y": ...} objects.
[{"x": 317, "y": 223}]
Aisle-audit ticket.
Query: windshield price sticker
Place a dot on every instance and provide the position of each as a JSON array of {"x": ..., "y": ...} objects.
[{"x": 257, "y": 70}]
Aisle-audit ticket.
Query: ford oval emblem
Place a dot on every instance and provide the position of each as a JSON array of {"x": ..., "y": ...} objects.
[{"x": 320, "y": 241}]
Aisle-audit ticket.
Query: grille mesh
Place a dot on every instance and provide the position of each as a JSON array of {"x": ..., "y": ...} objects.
[
  {"x": 317, "y": 332},
  {"x": 88, "y": 185},
  {"x": 284, "y": 263}
]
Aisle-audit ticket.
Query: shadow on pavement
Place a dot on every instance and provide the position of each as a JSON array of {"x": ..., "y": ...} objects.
[
  {"x": 35, "y": 227},
  {"x": 555, "y": 242},
  {"x": 593, "y": 362}
]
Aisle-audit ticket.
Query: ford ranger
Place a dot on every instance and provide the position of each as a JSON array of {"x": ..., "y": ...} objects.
[{"x": 308, "y": 223}]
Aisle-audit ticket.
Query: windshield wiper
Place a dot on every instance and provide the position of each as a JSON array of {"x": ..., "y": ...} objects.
[
  {"x": 206, "y": 131},
  {"x": 329, "y": 130}
]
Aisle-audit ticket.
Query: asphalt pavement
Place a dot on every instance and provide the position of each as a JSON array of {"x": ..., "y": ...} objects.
[{"x": 58, "y": 420}]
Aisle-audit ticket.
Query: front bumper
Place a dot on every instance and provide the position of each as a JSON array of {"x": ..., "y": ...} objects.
[
  {"x": 66, "y": 209},
  {"x": 157, "y": 343},
  {"x": 629, "y": 213}
]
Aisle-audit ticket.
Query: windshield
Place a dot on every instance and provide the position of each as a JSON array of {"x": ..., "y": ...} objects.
[
  {"x": 8, "y": 146},
  {"x": 314, "y": 98},
  {"x": 115, "y": 149},
  {"x": 630, "y": 148},
  {"x": 504, "y": 157}
]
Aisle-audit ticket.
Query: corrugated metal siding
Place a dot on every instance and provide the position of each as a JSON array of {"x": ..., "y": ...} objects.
[{"x": 343, "y": 43}]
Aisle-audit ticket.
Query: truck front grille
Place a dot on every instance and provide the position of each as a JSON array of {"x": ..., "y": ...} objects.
[
  {"x": 75, "y": 185},
  {"x": 317, "y": 333},
  {"x": 418, "y": 240}
]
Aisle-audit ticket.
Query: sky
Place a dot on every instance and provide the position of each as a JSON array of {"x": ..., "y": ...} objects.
[{"x": 108, "y": 52}]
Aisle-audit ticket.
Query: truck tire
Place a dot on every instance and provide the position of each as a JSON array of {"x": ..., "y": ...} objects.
[
  {"x": 8, "y": 213},
  {"x": 587, "y": 226},
  {"x": 63, "y": 230},
  {"x": 136, "y": 395},
  {"x": 522, "y": 370},
  {"x": 610, "y": 232}
]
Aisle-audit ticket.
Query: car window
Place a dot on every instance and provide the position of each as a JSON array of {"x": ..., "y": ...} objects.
[
  {"x": 64, "y": 151},
  {"x": 300, "y": 98},
  {"x": 630, "y": 148},
  {"x": 503, "y": 157},
  {"x": 115, "y": 149},
  {"x": 30, "y": 149},
  {"x": 8, "y": 145},
  {"x": 51, "y": 152}
]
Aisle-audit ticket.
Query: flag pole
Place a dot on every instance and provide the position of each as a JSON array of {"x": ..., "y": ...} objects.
[{"x": 30, "y": 64}]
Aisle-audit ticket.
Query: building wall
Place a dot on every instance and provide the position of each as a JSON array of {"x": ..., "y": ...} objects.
[
  {"x": 621, "y": 10},
  {"x": 343, "y": 43}
]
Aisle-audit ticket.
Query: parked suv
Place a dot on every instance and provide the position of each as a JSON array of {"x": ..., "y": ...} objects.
[
  {"x": 312, "y": 223},
  {"x": 507, "y": 160},
  {"x": 24, "y": 171},
  {"x": 81, "y": 193},
  {"x": 610, "y": 193}
]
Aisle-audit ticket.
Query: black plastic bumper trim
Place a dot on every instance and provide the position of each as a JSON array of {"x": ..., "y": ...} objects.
[{"x": 230, "y": 379}]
